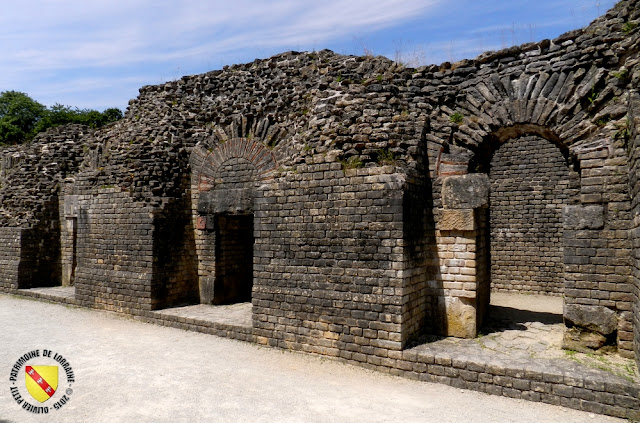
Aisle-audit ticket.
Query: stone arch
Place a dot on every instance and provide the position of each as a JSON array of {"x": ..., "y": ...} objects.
[
  {"x": 207, "y": 162},
  {"x": 549, "y": 103},
  {"x": 560, "y": 107},
  {"x": 483, "y": 154},
  {"x": 224, "y": 180}
]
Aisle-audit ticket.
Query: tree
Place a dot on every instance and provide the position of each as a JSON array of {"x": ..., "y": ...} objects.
[
  {"x": 19, "y": 115},
  {"x": 59, "y": 114}
]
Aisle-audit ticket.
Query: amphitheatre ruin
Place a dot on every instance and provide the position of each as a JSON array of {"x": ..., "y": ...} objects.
[{"x": 355, "y": 208}]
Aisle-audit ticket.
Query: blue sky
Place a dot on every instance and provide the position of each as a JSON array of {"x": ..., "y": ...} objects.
[{"x": 97, "y": 53}]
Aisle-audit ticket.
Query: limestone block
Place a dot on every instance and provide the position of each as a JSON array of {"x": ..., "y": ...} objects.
[
  {"x": 230, "y": 200},
  {"x": 70, "y": 205},
  {"x": 465, "y": 191},
  {"x": 583, "y": 217},
  {"x": 583, "y": 341},
  {"x": 457, "y": 220},
  {"x": 205, "y": 222},
  {"x": 206, "y": 290},
  {"x": 461, "y": 317},
  {"x": 597, "y": 319}
]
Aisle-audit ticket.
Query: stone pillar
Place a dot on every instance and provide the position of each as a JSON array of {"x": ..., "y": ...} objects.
[
  {"x": 68, "y": 238},
  {"x": 462, "y": 254},
  {"x": 588, "y": 323}
]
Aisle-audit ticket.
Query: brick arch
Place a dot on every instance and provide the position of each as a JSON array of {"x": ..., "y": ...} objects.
[
  {"x": 459, "y": 160},
  {"x": 496, "y": 109},
  {"x": 206, "y": 163},
  {"x": 484, "y": 152}
]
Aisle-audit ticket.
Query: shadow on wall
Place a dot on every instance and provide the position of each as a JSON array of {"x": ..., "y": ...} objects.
[
  {"x": 175, "y": 278},
  {"x": 426, "y": 292},
  {"x": 40, "y": 259}
]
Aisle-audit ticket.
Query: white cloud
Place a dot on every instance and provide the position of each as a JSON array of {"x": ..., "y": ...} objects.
[
  {"x": 82, "y": 52},
  {"x": 69, "y": 34}
]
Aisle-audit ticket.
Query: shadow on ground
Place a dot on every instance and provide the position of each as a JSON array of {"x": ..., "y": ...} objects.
[{"x": 501, "y": 318}]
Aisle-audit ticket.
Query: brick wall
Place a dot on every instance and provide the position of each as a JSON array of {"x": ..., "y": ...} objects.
[
  {"x": 133, "y": 256},
  {"x": 38, "y": 257},
  {"x": 420, "y": 256},
  {"x": 329, "y": 261},
  {"x": 175, "y": 278},
  {"x": 10, "y": 261},
  {"x": 115, "y": 252},
  {"x": 597, "y": 251},
  {"x": 634, "y": 179},
  {"x": 529, "y": 186}
]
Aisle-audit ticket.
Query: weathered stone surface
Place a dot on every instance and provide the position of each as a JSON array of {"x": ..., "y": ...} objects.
[
  {"x": 70, "y": 205},
  {"x": 465, "y": 191},
  {"x": 457, "y": 220},
  {"x": 583, "y": 217},
  {"x": 345, "y": 159},
  {"x": 461, "y": 317},
  {"x": 230, "y": 200},
  {"x": 595, "y": 318},
  {"x": 584, "y": 341}
]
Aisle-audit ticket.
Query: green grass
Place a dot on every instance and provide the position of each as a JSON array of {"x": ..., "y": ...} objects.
[
  {"x": 353, "y": 162},
  {"x": 386, "y": 157},
  {"x": 628, "y": 27},
  {"x": 456, "y": 118}
]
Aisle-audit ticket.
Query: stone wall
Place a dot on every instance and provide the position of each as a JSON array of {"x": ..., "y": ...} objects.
[
  {"x": 115, "y": 252},
  {"x": 329, "y": 261},
  {"x": 572, "y": 92},
  {"x": 11, "y": 267},
  {"x": 29, "y": 202},
  {"x": 530, "y": 185},
  {"x": 29, "y": 258},
  {"x": 634, "y": 165},
  {"x": 132, "y": 256},
  {"x": 368, "y": 183},
  {"x": 175, "y": 277}
]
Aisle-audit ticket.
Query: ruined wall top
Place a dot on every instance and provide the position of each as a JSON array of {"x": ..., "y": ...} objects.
[
  {"x": 369, "y": 111},
  {"x": 31, "y": 174}
]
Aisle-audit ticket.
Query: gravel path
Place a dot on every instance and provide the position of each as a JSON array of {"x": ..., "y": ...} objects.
[{"x": 130, "y": 371}]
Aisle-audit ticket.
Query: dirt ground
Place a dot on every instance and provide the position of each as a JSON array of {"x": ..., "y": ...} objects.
[{"x": 130, "y": 371}]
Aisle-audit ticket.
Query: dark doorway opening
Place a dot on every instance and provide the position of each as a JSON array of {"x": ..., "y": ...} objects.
[{"x": 234, "y": 259}]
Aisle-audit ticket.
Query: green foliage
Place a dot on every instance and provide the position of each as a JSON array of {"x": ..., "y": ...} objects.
[
  {"x": 60, "y": 115},
  {"x": 386, "y": 157},
  {"x": 456, "y": 118},
  {"x": 21, "y": 117},
  {"x": 621, "y": 75},
  {"x": 19, "y": 114},
  {"x": 628, "y": 27},
  {"x": 624, "y": 130},
  {"x": 353, "y": 162},
  {"x": 593, "y": 96}
]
